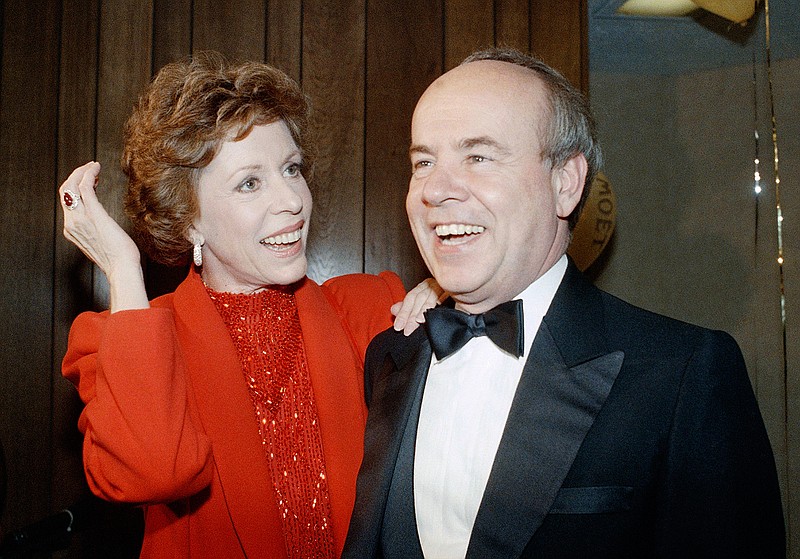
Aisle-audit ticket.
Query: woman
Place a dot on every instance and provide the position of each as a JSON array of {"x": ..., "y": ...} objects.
[{"x": 232, "y": 409}]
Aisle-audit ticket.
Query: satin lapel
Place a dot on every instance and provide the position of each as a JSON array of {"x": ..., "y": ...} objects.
[
  {"x": 397, "y": 383},
  {"x": 337, "y": 381},
  {"x": 563, "y": 386},
  {"x": 228, "y": 419}
]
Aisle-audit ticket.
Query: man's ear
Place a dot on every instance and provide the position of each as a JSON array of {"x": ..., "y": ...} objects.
[{"x": 568, "y": 183}]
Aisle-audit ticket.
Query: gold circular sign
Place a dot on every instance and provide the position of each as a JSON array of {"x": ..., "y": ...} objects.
[{"x": 596, "y": 224}]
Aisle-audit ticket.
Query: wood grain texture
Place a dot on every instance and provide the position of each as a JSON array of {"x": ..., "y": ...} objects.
[
  {"x": 557, "y": 31},
  {"x": 236, "y": 28},
  {"x": 28, "y": 109},
  {"x": 172, "y": 41},
  {"x": 172, "y": 31},
  {"x": 404, "y": 55},
  {"x": 333, "y": 75},
  {"x": 468, "y": 26},
  {"x": 512, "y": 24},
  {"x": 125, "y": 61},
  {"x": 285, "y": 36},
  {"x": 77, "y": 124}
]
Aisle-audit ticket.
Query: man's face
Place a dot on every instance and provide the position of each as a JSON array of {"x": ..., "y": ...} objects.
[{"x": 486, "y": 210}]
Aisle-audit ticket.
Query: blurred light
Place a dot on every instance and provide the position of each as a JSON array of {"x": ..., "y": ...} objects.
[{"x": 737, "y": 11}]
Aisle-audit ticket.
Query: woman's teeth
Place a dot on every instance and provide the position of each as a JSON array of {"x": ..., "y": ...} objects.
[{"x": 284, "y": 239}]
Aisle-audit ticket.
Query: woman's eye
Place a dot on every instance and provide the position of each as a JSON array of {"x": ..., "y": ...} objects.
[
  {"x": 294, "y": 170},
  {"x": 421, "y": 164},
  {"x": 248, "y": 185}
]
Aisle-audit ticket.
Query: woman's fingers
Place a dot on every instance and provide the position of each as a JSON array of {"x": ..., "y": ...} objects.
[
  {"x": 410, "y": 312},
  {"x": 88, "y": 225},
  {"x": 73, "y": 191}
]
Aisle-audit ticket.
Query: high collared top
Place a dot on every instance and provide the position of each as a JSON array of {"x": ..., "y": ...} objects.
[
  {"x": 464, "y": 409},
  {"x": 265, "y": 328}
]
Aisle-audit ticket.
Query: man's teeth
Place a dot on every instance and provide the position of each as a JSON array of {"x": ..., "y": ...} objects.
[
  {"x": 458, "y": 229},
  {"x": 284, "y": 239}
]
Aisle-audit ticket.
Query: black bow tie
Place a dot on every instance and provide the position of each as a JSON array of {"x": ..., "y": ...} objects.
[{"x": 449, "y": 329}]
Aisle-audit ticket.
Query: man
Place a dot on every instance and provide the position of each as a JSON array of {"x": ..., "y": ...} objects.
[{"x": 603, "y": 430}]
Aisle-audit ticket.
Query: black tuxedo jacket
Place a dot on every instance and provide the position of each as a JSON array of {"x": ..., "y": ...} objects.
[{"x": 630, "y": 435}]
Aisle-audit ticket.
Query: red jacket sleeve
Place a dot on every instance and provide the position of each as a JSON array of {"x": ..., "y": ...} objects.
[
  {"x": 142, "y": 440},
  {"x": 363, "y": 301}
]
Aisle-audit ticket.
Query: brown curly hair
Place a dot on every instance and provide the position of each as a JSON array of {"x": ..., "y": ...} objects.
[{"x": 178, "y": 125}]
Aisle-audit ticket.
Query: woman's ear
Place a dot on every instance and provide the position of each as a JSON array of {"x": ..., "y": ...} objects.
[
  {"x": 197, "y": 240},
  {"x": 194, "y": 236},
  {"x": 568, "y": 184}
]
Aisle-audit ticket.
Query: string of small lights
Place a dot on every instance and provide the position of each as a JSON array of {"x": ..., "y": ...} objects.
[{"x": 779, "y": 225}]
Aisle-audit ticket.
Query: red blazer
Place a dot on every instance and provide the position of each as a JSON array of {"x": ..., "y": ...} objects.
[{"x": 169, "y": 423}]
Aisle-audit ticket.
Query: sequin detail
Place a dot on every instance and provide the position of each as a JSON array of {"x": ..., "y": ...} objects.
[{"x": 265, "y": 329}]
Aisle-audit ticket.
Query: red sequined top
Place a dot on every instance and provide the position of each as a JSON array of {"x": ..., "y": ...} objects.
[{"x": 265, "y": 329}]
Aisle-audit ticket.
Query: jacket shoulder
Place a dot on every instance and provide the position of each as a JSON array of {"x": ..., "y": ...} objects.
[
  {"x": 639, "y": 327},
  {"x": 352, "y": 289},
  {"x": 363, "y": 303}
]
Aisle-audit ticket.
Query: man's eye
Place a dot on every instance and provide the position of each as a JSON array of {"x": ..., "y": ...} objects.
[
  {"x": 478, "y": 158},
  {"x": 420, "y": 164}
]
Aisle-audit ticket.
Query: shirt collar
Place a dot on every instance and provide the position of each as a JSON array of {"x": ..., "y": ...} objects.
[{"x": 537, "y": 298}]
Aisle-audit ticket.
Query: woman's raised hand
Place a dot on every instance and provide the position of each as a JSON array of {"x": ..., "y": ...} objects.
[
  {"x": 89, "y": 227},
  {"x": 409, "y": 313}
]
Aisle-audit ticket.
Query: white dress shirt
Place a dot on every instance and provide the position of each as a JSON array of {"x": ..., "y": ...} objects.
[{"x": 465, "y": 405}]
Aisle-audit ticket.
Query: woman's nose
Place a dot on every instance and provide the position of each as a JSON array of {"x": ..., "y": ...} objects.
[{"x": 287, "y": 199}]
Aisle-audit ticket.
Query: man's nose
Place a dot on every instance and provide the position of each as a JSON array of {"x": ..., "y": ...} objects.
[{"x": 444, "y": 183}]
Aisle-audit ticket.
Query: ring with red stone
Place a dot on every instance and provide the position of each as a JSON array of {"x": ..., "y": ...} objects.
[{"x": 71, "y": 200}]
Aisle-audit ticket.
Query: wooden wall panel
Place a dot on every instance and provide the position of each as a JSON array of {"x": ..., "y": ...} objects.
[
  {"x": 285, "y": 36},
  {"x": 172, "y": 31},
  {"x": 77, "y": 124},
  {"x": 558, "y": 31},
  {"x": 512, "y": 24},
  {"x": 172, "y": 41},
  {"x": 234, "y": 27},
  {"x": 333, "y": 75},
  {"x": 468, "y": 26},
  {"x": 404, "y": 55},
  {"x": 125, "y": 61},
  {"x": 29, "y": 101}
]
